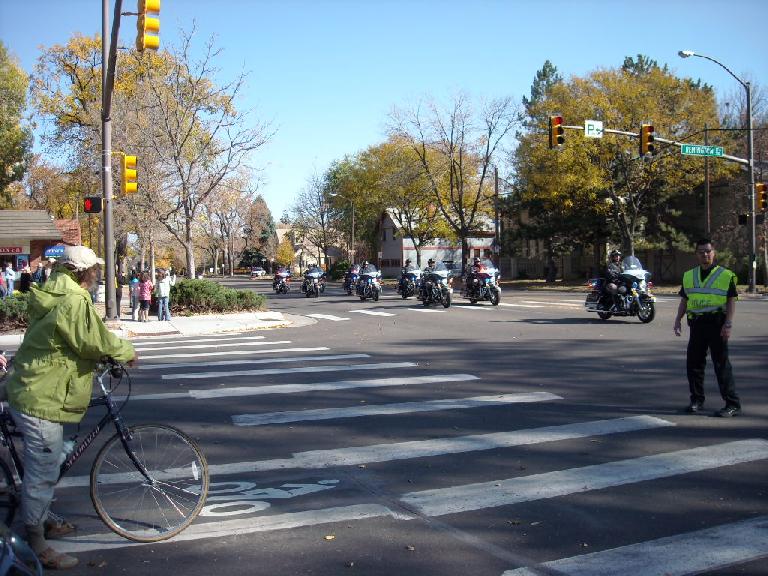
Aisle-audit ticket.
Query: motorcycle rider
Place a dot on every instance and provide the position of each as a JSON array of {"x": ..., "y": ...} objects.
[
  {"x": 612, "y": 284},
  {"x": 473, "y": 270},
  {"x": 403, "y": 273}
]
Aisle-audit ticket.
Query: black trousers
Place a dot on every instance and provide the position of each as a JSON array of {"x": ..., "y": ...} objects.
[{"x": 705, "y": 335}]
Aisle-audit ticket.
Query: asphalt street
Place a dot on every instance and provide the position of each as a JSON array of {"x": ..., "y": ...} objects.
[{"x": 382, "y": 438}]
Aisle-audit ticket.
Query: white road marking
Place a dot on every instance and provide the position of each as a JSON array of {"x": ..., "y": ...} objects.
[
  {"x": 472, "y": 307},
  {"x": 373, "y": 312},
  {"x": 200, "y": 530},
  {"x": 293, "y": 388},
  {"x": 519, "y": 305},
  {"x": 245, "y": 361},
  {"x": 551, "y": 303},
  {"x": 425, "y": 310},
  {"x": 195, "y": 341},
  {"x": 327, "y": 317},
  {"x": 235, "y": 352},
  {"x": 205, "y": 346},
  {"x": 286, "y": 371},
  {"x": 354, "y": 455},
  {"x": 690, "y": 553},
  {"x": 496, "y": 493},
  {"x": 387, "y": 409}
]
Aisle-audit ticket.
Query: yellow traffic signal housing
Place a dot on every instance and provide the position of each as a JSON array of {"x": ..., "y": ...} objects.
[
  {"x": 647, "y": 147},
  {"x": 129, "y": 182},
  {"x": 761, "y": 201},
  {"x": 556, "y": 132},
  {"x": 148, "y": 26}
]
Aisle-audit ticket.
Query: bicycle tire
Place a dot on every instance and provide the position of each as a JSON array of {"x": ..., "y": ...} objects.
[
  {"x": 9, "y": 494},
  {"x": 129, "y": 504}
]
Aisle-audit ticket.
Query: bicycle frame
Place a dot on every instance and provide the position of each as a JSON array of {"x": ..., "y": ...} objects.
[{"x": 80, "y": 447}]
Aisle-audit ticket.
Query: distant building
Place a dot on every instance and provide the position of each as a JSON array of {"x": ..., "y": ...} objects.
[
  {"x": 29, "y": 236},
  {"x": 396, "y": 248}
]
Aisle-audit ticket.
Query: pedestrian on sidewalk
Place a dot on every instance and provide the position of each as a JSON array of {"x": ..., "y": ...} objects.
[
  {"x": 10, "y": 278},
  {"x": 708, "y": 299},
  {"x": 145, "y": 296},
  {"x": 164, "y": 284},
  {"x": 51, "y": 385},
  {"x": 133, "y": 291}
]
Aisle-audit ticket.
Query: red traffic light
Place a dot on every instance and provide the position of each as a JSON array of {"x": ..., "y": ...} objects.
[
  {"x": 92, "y": 205},
  {"x": 556, "y": 131}
]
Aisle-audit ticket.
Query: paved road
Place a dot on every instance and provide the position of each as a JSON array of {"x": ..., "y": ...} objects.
[{"x": 382, "y": 439}]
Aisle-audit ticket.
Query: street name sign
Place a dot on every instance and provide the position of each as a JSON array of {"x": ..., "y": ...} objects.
[
  {"x": 593, "y": 129},
  {"x": 701, "y": 150}
]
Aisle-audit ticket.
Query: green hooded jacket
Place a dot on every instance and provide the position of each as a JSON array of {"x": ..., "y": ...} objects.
[{"x": 52, "y": 376}]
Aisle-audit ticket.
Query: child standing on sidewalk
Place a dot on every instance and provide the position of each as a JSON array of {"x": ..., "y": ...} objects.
[{"x": 145, "y": 296}]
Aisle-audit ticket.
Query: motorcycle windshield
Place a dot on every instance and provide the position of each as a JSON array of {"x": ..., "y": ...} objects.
[
  {"x": 283, "y": 273},
  {"x": 486, "y": 267},
  {"x": 439, "y": 269},
  {"x": 314, "y": 273},
  {"x": 370, "y": 270},
  {"x": 354, "y": 269},
  {"x": 631, "y": 263},
  {"x": 411, "y": 269}
]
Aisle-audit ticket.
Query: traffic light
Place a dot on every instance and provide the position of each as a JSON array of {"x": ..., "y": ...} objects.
[
  {"x": 92, "y": 204},
  {"x": 647, "y": 147},
  {"x": 761, "y": 201},
  {"x": 129, "y": 184},
  {"x": 148, "y": 23},
  {"x": 556, "y": 132}
]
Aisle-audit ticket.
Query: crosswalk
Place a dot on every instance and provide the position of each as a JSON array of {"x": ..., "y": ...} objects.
[{"x": 237, "y": 501}]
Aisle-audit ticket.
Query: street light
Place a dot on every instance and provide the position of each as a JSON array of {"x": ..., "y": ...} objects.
[
  {"x": 352, "y": 244},
  {"x": 746, "y": 85}
]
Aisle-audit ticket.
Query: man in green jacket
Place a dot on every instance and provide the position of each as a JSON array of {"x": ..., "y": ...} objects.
[{"x": 51, "y": 384}]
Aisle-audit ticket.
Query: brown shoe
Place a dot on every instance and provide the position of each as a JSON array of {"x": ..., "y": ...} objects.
[
  {"x": 59, "y": 528},
  {"x": 53, "y": 560}
]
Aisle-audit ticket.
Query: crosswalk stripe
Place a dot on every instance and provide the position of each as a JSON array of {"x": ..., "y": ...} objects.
[
  {"x": 286, "y": 371},
  {"x": 689, "y": 553},
  {"x": 200, "y": 530},
  {"x": 424, "y": 310},
  {"x": 373, "y": 312},
  {"x": 515, "y": 305},
  {"x": 245, "y": 361},
  {"x": 354, "y": 455},
  {"x": 143, "y": 341},
  {"x": 388, "y": 409},
  {"x": 472, "y": 307},
  {"x": 294, "y": 388},
  {"x": 442, "y": 501},
  {"x": 234, "y": 352},
  {"x": 204, "y": 346},
  {"x": 549, "y": 303},
  {"x": 327, "y": 317}
]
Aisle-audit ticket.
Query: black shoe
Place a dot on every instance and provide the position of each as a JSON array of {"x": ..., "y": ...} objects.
[
  {"x": 728, "y": 412},
  {"x": 694, "y": 408}
]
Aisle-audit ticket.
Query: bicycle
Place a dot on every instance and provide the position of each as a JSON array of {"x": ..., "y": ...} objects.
[{"x": 147, "y": 483}]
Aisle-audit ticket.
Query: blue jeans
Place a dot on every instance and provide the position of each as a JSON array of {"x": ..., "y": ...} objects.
[
  {"x": 163, "y": 308},
  {"x": 10, "y": 288},
  {"x": 43, "y": 445}
]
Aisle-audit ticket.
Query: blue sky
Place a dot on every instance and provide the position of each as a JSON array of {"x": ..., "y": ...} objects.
[{"x": 327, "y": 73}]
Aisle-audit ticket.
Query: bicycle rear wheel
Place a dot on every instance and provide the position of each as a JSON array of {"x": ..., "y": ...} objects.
[
  {"x": 9, "y": 496},
  {"x": 155, "y": 508}
]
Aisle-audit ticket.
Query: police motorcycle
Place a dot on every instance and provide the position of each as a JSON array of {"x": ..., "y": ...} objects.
[
  {"x": 16, "y": 557},
  {"x": 314, "y": 282},
  {"x": 369, "y": 283},
  {"x": 282, "y": 282},
  {"x": 482, "y": 284},
  {"x": 351, "y": 278},
  {"x": 410, "y": 280},
  {"x": 633, "y": 297},
  {"x": 436, "y": 285}
]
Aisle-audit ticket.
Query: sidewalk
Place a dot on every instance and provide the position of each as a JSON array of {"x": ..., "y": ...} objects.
[{"x": 191, "y": 325}]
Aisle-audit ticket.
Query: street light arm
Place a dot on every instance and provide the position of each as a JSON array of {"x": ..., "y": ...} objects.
[{"x": 687, "y": 53}]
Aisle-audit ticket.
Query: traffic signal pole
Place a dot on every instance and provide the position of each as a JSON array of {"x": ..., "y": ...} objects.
[{"x": 109, "y": 61}]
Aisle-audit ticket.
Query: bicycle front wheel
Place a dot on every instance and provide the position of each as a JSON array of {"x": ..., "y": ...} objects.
[
  {"x": 160, "y": 504},
  {"x": 9, "y": 496}
]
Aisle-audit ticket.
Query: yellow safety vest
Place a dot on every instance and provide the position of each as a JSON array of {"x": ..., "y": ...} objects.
[{"x": 710, "y": 296}]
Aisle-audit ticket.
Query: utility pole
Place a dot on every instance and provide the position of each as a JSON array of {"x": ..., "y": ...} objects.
[{"x": 109, "y": 61}]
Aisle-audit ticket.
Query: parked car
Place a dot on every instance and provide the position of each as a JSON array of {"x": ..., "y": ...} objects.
[{"x": 258, "y": 272}]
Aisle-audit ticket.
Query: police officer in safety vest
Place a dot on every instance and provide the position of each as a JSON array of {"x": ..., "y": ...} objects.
[{"x": 708, "y": 299}]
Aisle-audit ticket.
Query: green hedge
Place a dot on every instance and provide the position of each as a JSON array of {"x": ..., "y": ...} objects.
[
  {"x": 204, "y": 296},
  {"x": 338, "y": 270},
  {"x": 13, "y": 311}
]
